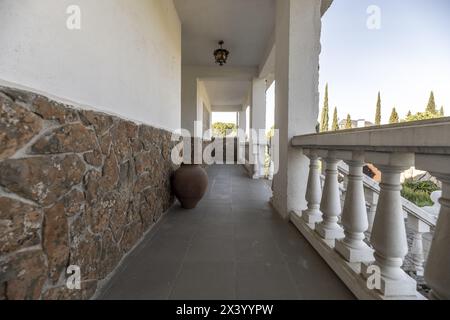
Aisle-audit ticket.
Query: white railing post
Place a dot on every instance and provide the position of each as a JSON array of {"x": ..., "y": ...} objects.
[
  {"x": 389, "y": 233},
  {"x": 354, "y": 215},
  {"x": 312, "y": 215},
  {"x": 330, "y": 206},
  {"x": 437, "y": 269},
  {"x": 417, "y": 251}
]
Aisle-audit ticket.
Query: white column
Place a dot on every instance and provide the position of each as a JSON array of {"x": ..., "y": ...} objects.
[
  {"x": 297, "y": 37},
  {"x": 243, "y": 119},
  {"x": 389, "y": 233},
  {"x": 258, "y": 120},
  {"x": 330, "y": 206},
  {"x": 354, "y": 215},
  {"x": 189, "y": 87},
  {"x": 312, "y": 215}
]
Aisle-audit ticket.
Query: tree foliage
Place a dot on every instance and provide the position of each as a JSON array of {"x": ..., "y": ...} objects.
[
  {"x": 324, "y": 119},
  {"x": 335, "y": 123},
  {"x": 378, "y": 111},
  {"x": 271, "y": 133},
  {"x": 431, "y": 106},
  {"x": 430, "y": 112},
  {"x": 422, "y": 116},
  {"x": 394, "y": 117},
  {"x": 348, "y": 122},
  {"x": 221, "y": 129}
]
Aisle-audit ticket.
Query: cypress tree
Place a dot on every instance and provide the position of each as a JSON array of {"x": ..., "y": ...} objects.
[
  {"x": 441, "y": 112},
  {"x": 378, "y": 111},
  {"x": 324, "y": 118},
  {"x": 409, "y": 114},
  {"x": 348, "y": 122},
  {"x": 431, "y": 107},
  {"x": 335, "y": 124},
  {"x": 394, "y": 117}
]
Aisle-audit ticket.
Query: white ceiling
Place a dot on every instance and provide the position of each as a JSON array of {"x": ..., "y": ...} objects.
[
  {"x": 246, "y": 26},
  {"x": 227, "y": 93}
]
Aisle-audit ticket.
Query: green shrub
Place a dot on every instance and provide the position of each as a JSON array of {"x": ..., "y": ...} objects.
[
  {"x": 426, "y": 186},
  {"x": 419, "y": 192}
]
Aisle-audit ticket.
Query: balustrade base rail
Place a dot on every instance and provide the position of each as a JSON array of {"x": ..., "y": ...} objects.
[{"x": 349, "y": 273}]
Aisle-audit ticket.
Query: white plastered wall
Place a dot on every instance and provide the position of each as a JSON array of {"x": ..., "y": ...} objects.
[
  {"x": 202, "y": 101},
  {"x": 125, "y": 60}
]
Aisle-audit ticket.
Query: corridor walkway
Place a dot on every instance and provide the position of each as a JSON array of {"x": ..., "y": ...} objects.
[{"x": 233, "y": 246}]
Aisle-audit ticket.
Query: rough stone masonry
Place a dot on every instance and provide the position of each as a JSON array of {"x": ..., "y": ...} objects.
[{"x": 77, "y": 187}]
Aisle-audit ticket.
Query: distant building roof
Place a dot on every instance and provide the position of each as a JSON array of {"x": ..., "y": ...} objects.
[{"x": 361, "y": 123}]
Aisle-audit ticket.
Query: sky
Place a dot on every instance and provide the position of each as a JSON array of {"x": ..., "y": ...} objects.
[
  {"x": 227, "y": 117},
  {"x": 406, "y": 58}
]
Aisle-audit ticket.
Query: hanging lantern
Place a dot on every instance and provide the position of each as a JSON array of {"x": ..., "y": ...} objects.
[{"x": 221, "y": 54}]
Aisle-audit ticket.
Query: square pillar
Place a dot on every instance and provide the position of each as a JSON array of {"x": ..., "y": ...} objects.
[
  {"x": 243, "y": 119},
  {"x": 297, "y": 40},
  {"x": 258, "y": 121}
]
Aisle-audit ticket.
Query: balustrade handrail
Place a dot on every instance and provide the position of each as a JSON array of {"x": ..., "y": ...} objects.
[{"x": 423, "y": 137}]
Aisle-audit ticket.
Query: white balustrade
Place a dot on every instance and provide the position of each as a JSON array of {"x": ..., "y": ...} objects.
[
  {"x": 419, "y": 228},
  {"x": 354, "y": 215},
  {"x": 378, "y": 209},
  {"x": 312, "y": 215},
  {"x": 388, "y": 236},
  {"x": 330, "y": 205},
  {"x": 418, "y": 253},
  {"x": 437, "y": 270}
]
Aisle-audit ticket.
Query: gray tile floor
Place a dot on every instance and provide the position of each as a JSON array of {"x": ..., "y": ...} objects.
[{"x": 232, "y": 246}]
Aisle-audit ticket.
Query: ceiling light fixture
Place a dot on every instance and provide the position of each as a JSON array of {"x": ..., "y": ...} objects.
[{"x": 221, "y": 54}]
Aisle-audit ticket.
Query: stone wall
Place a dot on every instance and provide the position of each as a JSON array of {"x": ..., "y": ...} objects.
[{"x": 77, "y": 187}]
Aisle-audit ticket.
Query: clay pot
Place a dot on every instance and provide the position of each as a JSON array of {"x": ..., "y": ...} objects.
[{"x": 189, "y": 184}]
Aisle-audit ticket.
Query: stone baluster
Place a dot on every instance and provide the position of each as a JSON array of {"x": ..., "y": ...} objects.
[
  {"x": 389, "y": 233},
  {"x": 354, "y": 215},
  {"x": 343, "y": 189},
  {"x": 372, "y": 201},
  {"x": 419, "y": 228},
  {"x": 330, "y": 206},
  {"x": 312, "y": 215},
  {"x": 437, "y": 269},
  {"x": 417, "y": 253}
]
